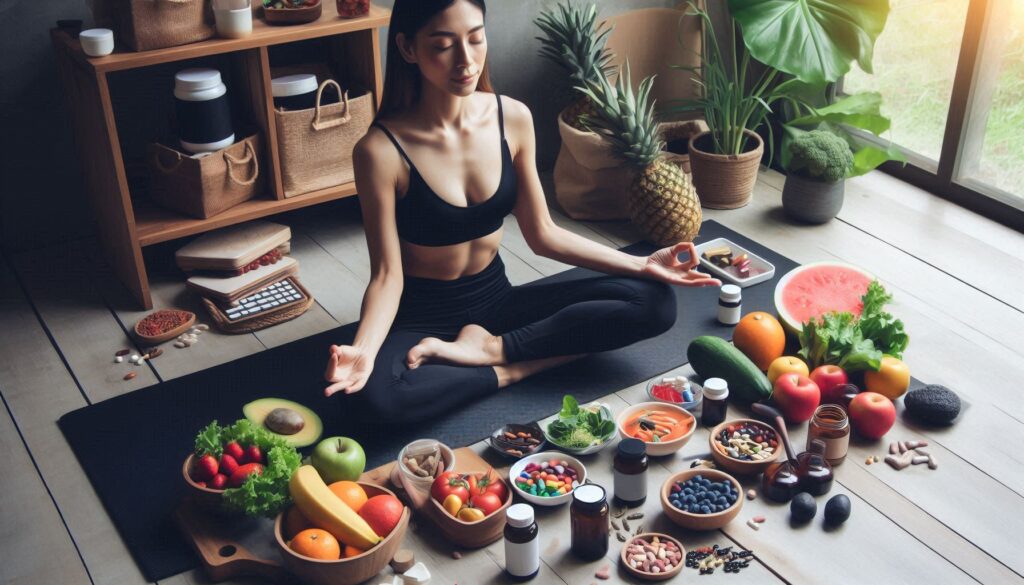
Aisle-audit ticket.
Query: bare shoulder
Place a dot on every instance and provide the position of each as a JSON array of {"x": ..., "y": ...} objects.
[
  {"x": 517, "y": 115},
  {"x": 376, "y": 161}
]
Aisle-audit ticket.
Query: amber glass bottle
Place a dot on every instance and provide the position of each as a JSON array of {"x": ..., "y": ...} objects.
[
  {"x": 630, "y": 468},
  {"x": 588, "y": 518},
  {"x": 831, "y": 425}
]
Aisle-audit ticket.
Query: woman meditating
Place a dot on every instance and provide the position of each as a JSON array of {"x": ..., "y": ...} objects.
[{"x": 442, "y": 166}]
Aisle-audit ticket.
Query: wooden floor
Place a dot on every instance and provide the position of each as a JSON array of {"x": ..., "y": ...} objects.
[{"x": 957, "y": 279}]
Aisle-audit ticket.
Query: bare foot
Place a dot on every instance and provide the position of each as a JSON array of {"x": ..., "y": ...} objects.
[
  {"x": 509, "y": 374},
  {"x": 474, "y": 346}
]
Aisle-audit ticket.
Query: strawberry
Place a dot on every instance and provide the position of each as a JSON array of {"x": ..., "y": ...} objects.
[
  {"x": 228, "y": 464},
  {"x": 205, "y": 468},
  {"x": 253, "y": 455},
  {"x": 218, "y": 482},
  {"x": 235, "y": 450},
  {"x": 244, "y": 471}
]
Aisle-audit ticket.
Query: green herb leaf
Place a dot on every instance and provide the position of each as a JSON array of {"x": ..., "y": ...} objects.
[
  {"x": 209, "y": 441},
  {"x": 569, "y": 406}
]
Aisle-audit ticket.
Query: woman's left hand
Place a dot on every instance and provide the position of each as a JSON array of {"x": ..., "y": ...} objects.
[{"x": 664, "y": 265}]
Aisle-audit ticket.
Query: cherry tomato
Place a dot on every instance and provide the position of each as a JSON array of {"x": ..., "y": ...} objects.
[
  {"x": 448, "y": 483},
  {"x": 487, "y": 501}
]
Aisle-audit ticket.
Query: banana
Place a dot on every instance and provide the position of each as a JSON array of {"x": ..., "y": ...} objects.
[{"x": 326, "y": 510}]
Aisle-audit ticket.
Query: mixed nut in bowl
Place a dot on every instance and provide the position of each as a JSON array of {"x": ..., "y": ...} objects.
[
  {"x": 745, "y": 446},
  {"x": 421, "y": 461},
  {"x": 516, "y": 440}
]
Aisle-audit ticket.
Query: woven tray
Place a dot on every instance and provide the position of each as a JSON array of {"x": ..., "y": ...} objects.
[{"x": 263, "y": 320}]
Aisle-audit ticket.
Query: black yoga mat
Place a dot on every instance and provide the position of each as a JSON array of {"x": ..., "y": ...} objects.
[{"x": 132, "y": 446}]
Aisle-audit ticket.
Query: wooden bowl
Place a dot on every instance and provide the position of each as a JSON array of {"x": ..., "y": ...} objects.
[
  {"x": 348, "y": 571},
  {"x": 741, "y": 467},
  {"x": 661, "y": 448},
  {"x": 654, "y": 576},
  {"x": 205, "y": 498},
  {"x": 168, "y": 335},
  {"x": 700, "y": 521},
  {"x": 470, "y": 534},
  {"x": 286, "y": 16}
]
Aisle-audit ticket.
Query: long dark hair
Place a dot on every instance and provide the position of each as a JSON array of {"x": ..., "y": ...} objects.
[{"x": 403, "y": 82}]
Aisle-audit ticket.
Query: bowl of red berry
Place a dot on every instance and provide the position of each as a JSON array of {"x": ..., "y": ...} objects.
[
  {"x": 353, "y": 8},
  {"x": 163, "y": 325},
  {"x": 676, "y": 390}
]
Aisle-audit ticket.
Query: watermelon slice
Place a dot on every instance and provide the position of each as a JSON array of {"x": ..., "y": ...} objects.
[{"x": 812, "y": 290}]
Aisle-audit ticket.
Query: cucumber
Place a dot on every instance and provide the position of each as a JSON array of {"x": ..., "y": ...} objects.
[{"x": 714, "y": 357}]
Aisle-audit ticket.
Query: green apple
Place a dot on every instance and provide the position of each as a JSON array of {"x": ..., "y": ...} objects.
[{"x": 337, "y": 459}]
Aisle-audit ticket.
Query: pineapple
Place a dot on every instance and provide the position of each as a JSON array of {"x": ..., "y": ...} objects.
[
  {"x": 662, "y": 200},
  {"x": 576, "y": 44}
]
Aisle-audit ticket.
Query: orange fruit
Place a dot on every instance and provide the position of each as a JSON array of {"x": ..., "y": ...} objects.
[
  {"x": 351, "y": 493},
  {"x": 351, "y": 551},
  {"x": 294, "y": 523},
  {"x": 761, "y": 338},
  {"x": 316, "y": 544}
]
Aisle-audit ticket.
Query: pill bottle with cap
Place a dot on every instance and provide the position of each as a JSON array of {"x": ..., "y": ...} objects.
[
  {"x": 522, "y": 547},
  {"x": 730, "y": 304},
  {"x": 716, "y": 391},
  {"x": 588, "y": 520},
  {"x": 203, "y": 111},
  {"x": 630, "y": 472}
]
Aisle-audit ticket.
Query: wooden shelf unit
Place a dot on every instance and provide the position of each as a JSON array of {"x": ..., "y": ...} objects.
[{"x": 126, "y": 224}]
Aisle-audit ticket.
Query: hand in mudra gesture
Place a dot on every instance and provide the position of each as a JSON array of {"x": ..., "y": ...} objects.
[
  {"x": 348, "y": 369},
  {"x": 664, "y": 265}
]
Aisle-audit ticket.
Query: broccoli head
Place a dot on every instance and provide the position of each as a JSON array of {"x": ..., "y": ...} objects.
[{"x": 820, "y": 155}]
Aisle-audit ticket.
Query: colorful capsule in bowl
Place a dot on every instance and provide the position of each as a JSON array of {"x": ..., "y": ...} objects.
[{"x": 548, "y": 479}]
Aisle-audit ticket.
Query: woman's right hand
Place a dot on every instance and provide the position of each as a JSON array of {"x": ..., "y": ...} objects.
[{"x": 348, "y": 369}]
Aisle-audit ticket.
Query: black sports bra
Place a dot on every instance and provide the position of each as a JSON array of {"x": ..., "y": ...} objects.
[{"x": 424, "y": 218}]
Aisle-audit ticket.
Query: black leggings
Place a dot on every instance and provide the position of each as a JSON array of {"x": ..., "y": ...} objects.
[{"x": 534, "y": 321}]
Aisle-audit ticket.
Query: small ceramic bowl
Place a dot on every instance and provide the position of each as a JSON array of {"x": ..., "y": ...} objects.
[
  {"x": 701, "y": 521},
  {"x": 519, "y": 466},
  {"x": 739, "y": 466},
  {"x": 500, "y": 441},
  {"x": 649, "y": 576},
  {"x": 605, "y": 408},
  {"x": 286, "y": 16},
  {"x": 695, "y": 389},
  {"x": 659, "y": 448}
]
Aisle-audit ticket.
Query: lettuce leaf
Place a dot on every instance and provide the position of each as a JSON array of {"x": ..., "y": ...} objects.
[{"x": 855, "y": 344}]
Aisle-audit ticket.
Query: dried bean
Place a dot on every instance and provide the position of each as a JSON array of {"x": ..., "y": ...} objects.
[{"x": 129, "y": 375}]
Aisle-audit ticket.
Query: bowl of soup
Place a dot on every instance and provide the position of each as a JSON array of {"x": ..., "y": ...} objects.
[{"x": 663, "y": 427}]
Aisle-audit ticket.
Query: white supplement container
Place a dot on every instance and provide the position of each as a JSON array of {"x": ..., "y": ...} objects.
[
  {"x": 204, "y": 114},
  {"x": 233, "y": 18},
  {"x": 730, "y": 304},
  {"x": 97, "y": 42}
]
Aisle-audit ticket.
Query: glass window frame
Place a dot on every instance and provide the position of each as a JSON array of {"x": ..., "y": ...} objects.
[{"x": 962, "y": 141}]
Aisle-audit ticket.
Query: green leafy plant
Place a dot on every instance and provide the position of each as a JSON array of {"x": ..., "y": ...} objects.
[
  {"x": 820, "y": 156},
  {"x": 810, "y": 43},
  {"x": 852, "y": 343},
  {"x": 261, "y": 495},
  {"x": 580, "y": 427}
]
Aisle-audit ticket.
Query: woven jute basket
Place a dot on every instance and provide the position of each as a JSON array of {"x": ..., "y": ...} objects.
[
  {"x": 316, "y": 144},
  {"x": 724, "y": 181},
  {"x": 144, "y": 25},
  {"x": 221, "y": 321},
  {"x": 681, "y": 131}
]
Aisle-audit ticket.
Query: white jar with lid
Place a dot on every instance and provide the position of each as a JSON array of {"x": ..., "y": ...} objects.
[
  {"x": 97, "y": 42},
  {"x": 730, "y": 304},
  {"x": 204, "y": 114}
]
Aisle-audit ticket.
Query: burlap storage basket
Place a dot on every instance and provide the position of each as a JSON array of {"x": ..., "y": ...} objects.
[
  {"x": 315, "y": 145},
  {"x": 590, "y": 181},
  {"x": 205, "y": 186},
  {"x": 154, "y": 24},
  {"x": 724, "y": 181}
]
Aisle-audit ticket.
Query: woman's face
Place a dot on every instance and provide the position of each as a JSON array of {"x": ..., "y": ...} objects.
[{"x": 451, "y": 49}]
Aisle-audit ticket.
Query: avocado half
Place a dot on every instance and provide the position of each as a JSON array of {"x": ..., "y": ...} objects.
[{"x": 312, "y": 427}]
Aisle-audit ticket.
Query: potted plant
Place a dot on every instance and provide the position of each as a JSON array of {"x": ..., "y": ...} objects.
[
  {"x": 781, "y": 35},
  {"x": 817, "y": 167}
]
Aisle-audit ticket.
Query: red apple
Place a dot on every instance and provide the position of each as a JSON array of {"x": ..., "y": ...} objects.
[
  {"x": 797, "y": 397},
  {"x": 382, "y": 513},
  {"x": 872, "y": 415},
  {"x": 829, "y": 379}
]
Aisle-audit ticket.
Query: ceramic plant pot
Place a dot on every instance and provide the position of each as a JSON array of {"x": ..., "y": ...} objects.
[{"x": 812, "y": 201}]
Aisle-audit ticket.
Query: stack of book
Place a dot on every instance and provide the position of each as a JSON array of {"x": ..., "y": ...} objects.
[{"x": 245, "y": 276}]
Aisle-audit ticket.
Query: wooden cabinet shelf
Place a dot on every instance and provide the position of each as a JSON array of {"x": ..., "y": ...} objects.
[{"x": 99, "y": 95}]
